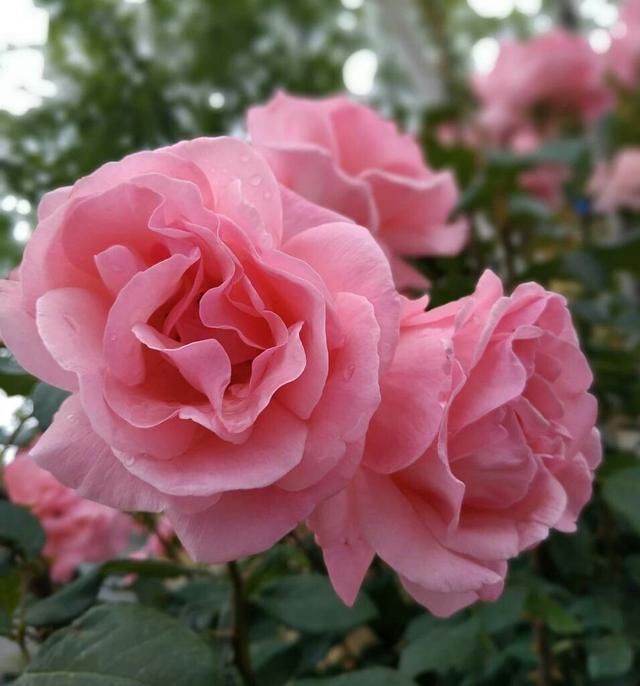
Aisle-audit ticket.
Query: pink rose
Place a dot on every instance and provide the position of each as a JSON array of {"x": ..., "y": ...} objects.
[
  {"x": 483, "y": 442},
  {"x": 222, "y": 342},
  {"x": 616, "y": 185},
  {"x": 623, "y": 57},
  {"x": 343, "y": 156},
  {"x": 544, "y": 181},
  {"x": 542, "y": 81},
  {"x": 77, "y": 530}
]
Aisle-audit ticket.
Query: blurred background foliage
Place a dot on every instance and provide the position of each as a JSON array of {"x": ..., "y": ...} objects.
[{"x": 84, "y": 82}]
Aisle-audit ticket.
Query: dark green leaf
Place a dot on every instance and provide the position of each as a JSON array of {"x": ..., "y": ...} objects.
[
  {"x": 444, "y": 649},
  {"x": 9, "y": 599},
  {"x": 504, "y": 613},
  {"x": 20, "y": 530},
  {"x": 609, "y": 656},
  {"x": 597, "y": 612},
  {"x": 554, "y": 615},
  {"x": 367, "y": 677},
  {"x": 14, "y": 380},
  {"x": 123, "y": 645},
  {"x": 77, "y": 597},
  {"x": 64, "y": 606},
  {"x": 309, "y": 603},
  {"x": 621, "y": 492},
  {"x": 46, "y": 401}
]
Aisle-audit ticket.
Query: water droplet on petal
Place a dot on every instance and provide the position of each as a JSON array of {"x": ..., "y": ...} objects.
[
  {"x": 255, "y": 180},
  {"x": 129, "y": 460}
]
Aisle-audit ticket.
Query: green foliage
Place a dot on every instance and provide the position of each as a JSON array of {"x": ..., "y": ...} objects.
[
  {"x": 46, "y": 401},
  {"x": 123, "y": 645},
  {"x": 620, "y": 491},
  {"x": 309, "y": 603},
  {"x": 366, "y": 677},
  {"x": 20, "y": 530}
]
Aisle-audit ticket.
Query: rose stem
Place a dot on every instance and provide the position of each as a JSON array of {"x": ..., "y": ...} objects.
[{"x": 240, "y": 633}]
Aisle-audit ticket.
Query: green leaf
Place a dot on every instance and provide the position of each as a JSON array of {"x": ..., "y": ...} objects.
[
  {"x": 609, "y": 656},
  {"x": 161, "y": 569},
  {"x": 123, "y": 645},
  {"x": 309, "y": 603},
  {"x": 598, "y": 612},
  {"x": 77, "y": 597},
  {"x": 621, "y": 254},
  {"x": 46, "y": 401},
  {"x": 14, "y": 380},
  {"x": 527, "y": 208},
  {"x": 553, "y": 614},
  {"x": 21, "y": 530},
  {"x": 199, "y": 601},
  {"x": 504, "y": 613},
  {"x": 632, "y": 565},
  {"x": 64, "y": 606},
  {"x": 444, "y": 649},
  {"x": 366, "y": 677},
  {"x": 620, "y": 491},
  {"x": 9, "y": 599}
]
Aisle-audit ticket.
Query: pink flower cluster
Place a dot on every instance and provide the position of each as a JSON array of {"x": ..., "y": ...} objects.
[
  {"x": 77, "y": 530},
  {"x": 542, "y": 82},
  {"x": 537, "y": 89},
  {"x": 624, "y": 54},
  {"x": 240, "y": 358}
]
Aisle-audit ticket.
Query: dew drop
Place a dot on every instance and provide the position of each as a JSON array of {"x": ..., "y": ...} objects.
[
  {"x": 129, "y": 460},
  {"x": 255, "y": 180}
]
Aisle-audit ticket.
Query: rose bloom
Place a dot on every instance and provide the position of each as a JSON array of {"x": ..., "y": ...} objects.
[
  {"x": 222, "y": 343},
  {"x": 343, "y": 156},
  {"x": 542, "y": 81},
  {"x": 544, "y": 181},
  {"x": 76, "y": 530},
  {"x": 483, "y": 442},
  {"x": 616, "y": 185},
  {"x": 623, "y": 57}
]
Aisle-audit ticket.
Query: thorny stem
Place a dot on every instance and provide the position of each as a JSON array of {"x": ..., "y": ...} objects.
[{"x": 241, "y": 633}]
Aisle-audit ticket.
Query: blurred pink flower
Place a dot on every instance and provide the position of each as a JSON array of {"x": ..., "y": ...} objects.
[
  {"x": 541, "y": 82},
  {"x": 344, "y": 156},
  {"x": 616, "y": 185},
  {"x": 623, "y": 57},
  {"x": 77, "y": 530},
  {"x": 483, "y": 442},
  {"x": 545, "y": 181}
]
